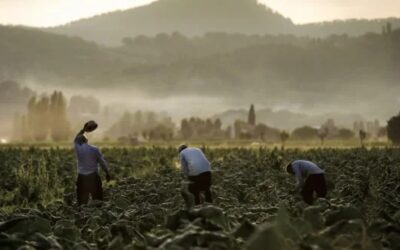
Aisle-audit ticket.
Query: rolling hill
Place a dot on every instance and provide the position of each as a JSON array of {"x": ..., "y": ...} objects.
[
  {"x": 189, "y": 17},
  {"x": 232, "y": 68},
  {"x": 198, "y": 17},
  {"x": 52, "y": 59}
]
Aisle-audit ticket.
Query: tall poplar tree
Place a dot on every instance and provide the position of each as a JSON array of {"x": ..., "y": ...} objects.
[
  {"x": 59, "y": 124},
  {"x": 252, "y": 116}
]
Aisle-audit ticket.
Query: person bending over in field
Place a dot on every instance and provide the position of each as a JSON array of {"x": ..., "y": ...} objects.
[
  {"x": 310, "y": 178},
  {"x": 89, "y": 157},
  {"x": 196, "y": 168}
]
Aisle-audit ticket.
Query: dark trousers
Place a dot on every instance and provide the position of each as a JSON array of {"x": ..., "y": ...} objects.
[
  {"x": 314, "y": 183},
  {"x": 200, "y": 183},
  {"x": 89, "y": 184}
]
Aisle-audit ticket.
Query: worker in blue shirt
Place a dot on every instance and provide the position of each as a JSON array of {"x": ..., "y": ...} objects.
[
  {"x": 197, "y": 169},
  {"x": 309, "y": 177},
  {"x": 88, "y": 159}
]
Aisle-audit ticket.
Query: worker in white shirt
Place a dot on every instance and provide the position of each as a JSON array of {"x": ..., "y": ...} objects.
[
  {"x": 309, "y": 177},
  {"x": 196, "y": 168}
]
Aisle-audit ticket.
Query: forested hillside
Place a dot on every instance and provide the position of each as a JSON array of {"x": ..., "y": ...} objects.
[
  {"x": 265, "y": 69},
  {"x": 27, "y": 52},
  {"x": 198, "y": 17},
  {"x": 189, "y": 17}
]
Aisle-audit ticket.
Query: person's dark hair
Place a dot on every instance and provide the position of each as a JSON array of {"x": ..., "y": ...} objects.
[
  {"x": 81, "y": 139},
  {"x": 182, "y": 147},
  {"x": 289, "y": 168}
]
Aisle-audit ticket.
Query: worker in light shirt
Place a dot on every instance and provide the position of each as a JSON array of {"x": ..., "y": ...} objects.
[
  {"x": 89, "y": 158},
  {"x": 309, "y": 177},
  {"x": 196, "y": 168}
]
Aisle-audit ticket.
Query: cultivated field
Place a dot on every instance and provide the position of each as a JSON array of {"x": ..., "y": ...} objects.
[{"x": 254, "y": 206}]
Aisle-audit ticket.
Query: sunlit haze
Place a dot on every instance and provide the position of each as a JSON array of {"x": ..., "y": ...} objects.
[{"x": 56, "y": 12}]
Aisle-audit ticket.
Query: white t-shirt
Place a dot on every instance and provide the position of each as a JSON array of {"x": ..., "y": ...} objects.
[{"x": 193, "y": 162}]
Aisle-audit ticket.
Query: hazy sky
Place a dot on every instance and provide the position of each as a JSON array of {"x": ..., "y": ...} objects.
[{"x": 55, "y": 12}]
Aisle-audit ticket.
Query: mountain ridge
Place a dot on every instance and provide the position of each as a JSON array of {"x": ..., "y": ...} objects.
[
  {"x": 198, "y": 17},
  {"x": 189, "y": 17}
]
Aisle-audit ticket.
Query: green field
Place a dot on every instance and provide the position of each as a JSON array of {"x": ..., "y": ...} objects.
[{"x": 254, "y": 205}]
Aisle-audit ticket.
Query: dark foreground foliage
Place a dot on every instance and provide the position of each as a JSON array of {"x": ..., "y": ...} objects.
[{"x": 254, "y": 207}]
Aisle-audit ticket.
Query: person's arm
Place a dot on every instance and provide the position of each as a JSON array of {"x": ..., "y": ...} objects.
[
  {"x": 79, "y": 134},
  {"x": 184, "y": 166},
  {"x": 207, "y": 162},
  {"x": 104, "y": 165},
  {"x": 299, "y": 177}
]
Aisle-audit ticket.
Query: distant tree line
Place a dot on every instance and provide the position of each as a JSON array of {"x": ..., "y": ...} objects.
[
  {"x": 197, "y": 128},
  {"x": 145, "y": 125},
  {"x": 310, "y": 133},
  {"x": 150, "y": 126},
  {"x": 46, "y": 119},
  {"x": 251, "y": 130}
]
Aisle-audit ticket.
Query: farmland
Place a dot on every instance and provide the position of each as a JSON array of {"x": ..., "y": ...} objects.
[{"x": 254, "y": 204}]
